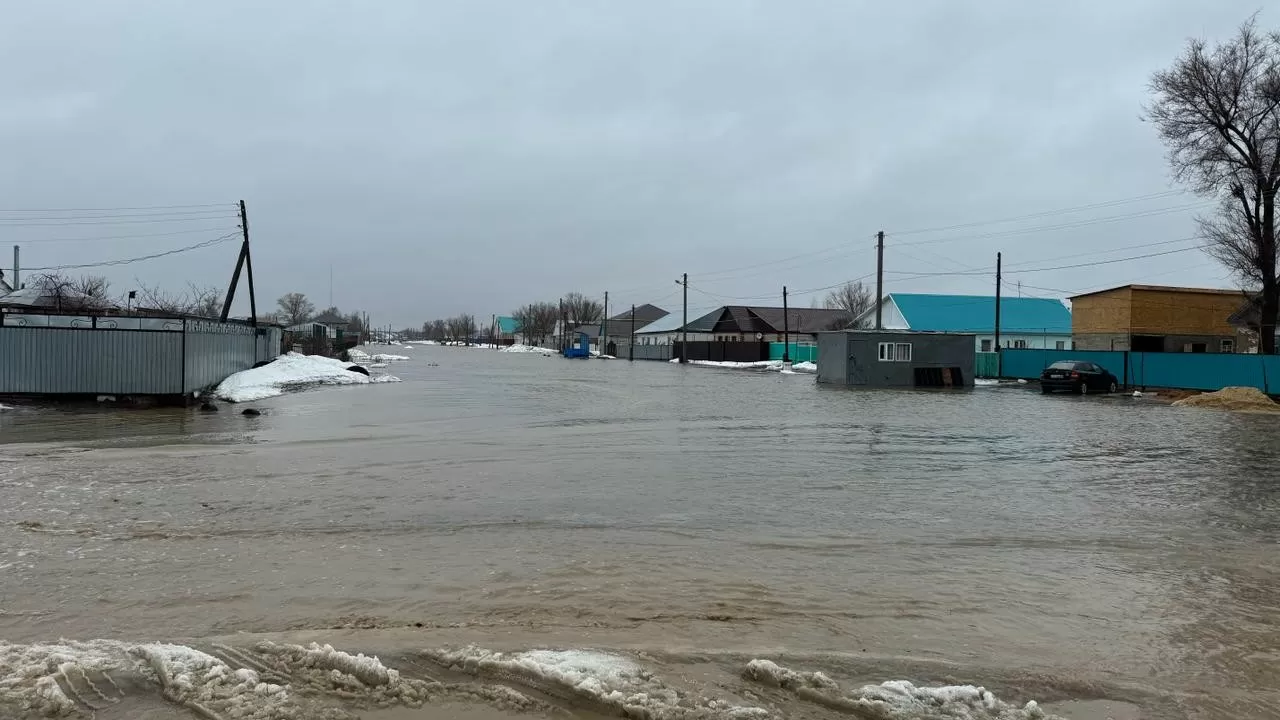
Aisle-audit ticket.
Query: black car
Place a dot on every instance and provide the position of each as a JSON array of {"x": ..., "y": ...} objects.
[{"x": 1076, "y": 376}]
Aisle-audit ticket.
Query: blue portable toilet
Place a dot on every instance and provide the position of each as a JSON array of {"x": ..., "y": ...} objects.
[{"x": 583, "y": 350}]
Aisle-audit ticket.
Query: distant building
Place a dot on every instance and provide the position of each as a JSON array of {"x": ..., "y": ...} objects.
[
  {"x": 744, "y": 323},
  {"x": 507, "y": 330},
  {"x": 896, "y": 358},
  {"x": 1154, "y": 318}
]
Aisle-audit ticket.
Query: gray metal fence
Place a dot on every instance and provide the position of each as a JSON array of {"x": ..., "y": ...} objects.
[{"x": 72, "y": 355}]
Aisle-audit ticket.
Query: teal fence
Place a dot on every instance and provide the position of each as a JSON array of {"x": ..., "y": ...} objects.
[
  {"x": 1191, "y": 371},
  {"x": 987, "y": 365},
  {"x": 799, "y": 353}
]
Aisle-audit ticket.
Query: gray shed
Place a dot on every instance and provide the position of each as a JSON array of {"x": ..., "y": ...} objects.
[{"x": 895, "y": 358}]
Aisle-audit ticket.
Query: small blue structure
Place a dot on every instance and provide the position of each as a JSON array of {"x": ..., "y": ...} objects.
[{"x": 583, "y": 350}]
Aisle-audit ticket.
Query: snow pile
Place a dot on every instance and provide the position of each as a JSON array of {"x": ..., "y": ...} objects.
[
  {"x": 1246, "y": 399},
  {"x": 383, "y": 357},
  {"x": 895, "y": 699},
  {"x": 527, "y": 349},
  {"x": 805, "y": 367},
  {"x": 359, "y": 356},
  {"x": 291, "y": 371},
  {"x": 615, "y": 682},
  {"x": 985, "y": 382},
  {"x": 4, "y": 408},
  {"x": 72, "y": 678},
  {"x": 772, "y": 365}
]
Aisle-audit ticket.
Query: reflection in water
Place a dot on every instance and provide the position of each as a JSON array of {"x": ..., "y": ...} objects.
[{"x": 1055, "y": 543}]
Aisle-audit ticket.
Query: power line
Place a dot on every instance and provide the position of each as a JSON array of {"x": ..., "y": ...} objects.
[
  {"x": 1061, "y": 226},
  {"x": 129, "y": 237},
  {"x": 1045, "y": 213},
  {"x": 114, "y": 216},
  {"x": 1064, "y": 267},
  {"x": 219, "y": 216},
  {"x": 116, "y": 209},
  {"x": 129, "y": 261}
]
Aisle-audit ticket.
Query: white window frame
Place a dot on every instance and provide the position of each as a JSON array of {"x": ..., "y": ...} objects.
[
  {"x": 1226, "y": 345},
  {"x": 894, "y": 352},
  {"x": 1060, "y": 345}
]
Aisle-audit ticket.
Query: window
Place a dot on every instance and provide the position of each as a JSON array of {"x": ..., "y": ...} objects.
[
  {"x": 1227, "y": 346},
  {"x": 1020, "y": 344},
  {"x": 986, "y": 344},
  {"x": 1061, "y": 345},
  {"x": 895, "y": 352}
]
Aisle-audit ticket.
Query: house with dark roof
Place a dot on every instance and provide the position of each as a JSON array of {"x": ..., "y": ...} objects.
[
  {"x": 1024, "y": 322},
  {"x": 743, "y": 323}
]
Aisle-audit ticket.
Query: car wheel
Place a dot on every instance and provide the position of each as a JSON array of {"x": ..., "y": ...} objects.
[
  {"x": 1084, "y": 388},
  {"x": 1045, "y": 390}
]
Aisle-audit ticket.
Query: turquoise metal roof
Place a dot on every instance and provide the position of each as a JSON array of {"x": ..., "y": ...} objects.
[
  {"x": 507, "y": 325},
  {"x": 977, "y": 314}
]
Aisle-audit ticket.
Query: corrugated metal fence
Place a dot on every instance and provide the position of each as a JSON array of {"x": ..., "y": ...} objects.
[
  {"x": 73, "y": 355},
  {"x": 1191, "y": 371}
]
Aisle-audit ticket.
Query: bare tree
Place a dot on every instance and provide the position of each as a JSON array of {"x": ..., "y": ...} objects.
[
  {"x": 205, "y": 302},
  {"x": 582, "y": 310},
  {"x": 523, "y": 317},
  {"x": 854, "y": 298},
  {"x": 295, "y": 308},
  {"x": 1217, "y": 110},
  {"x": 461, "y": 328},
  {"x": 92, "y": 292},
  {"x": 544, "y": 316}
]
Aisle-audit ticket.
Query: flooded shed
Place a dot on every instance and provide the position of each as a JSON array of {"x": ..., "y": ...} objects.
[{"x": 896, "y": 358}]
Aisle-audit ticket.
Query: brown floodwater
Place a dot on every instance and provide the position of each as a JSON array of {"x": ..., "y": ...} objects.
[{"x": 1111, "y": 557}]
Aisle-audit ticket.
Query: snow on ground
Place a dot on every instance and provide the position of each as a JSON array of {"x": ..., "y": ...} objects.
[
  {"x": 4, "y": 408},
  {"x": 292, "y": 371},
  {"x": 527, "y": 349},
  {"x": 895, "y": 699},
  {"x": 985, "y": 381},
  {"x": 770, "y": 365}
]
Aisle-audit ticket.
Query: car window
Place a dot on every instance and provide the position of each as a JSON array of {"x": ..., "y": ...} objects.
[
  {"x": 1063, "y": 365},
  {"x": 1086, "y": 367}
]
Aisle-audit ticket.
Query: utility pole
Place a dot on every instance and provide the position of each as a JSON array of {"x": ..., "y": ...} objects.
[
  {"x": 999, "y": 357},
  {"x": 493, "y": 330},
  {"x": 17, "y": 284},
  {"x": 604, "y": 326},
  {"x": 786, "y": 329},
  {"x": 879, "y": 278},
  {"x": 684, "y": 343},
  {"x": 631, "y": 346},
  {"x": 245, "y": 261}
]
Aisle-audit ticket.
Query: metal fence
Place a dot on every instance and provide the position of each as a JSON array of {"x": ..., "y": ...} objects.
[
  {"x": 1190, "y": 371},
  {"x": 86, "y": 355},
  {"x": 642, "y": 352}
]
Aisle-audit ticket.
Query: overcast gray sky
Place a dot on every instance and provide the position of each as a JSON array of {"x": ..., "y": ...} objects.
[{"x": 474, "y": 156}]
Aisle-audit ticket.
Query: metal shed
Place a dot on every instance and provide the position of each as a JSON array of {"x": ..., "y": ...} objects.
[{"x": 887, "y": 358}]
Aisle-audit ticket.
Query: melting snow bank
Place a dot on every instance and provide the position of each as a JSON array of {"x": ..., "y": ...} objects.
[
  {"x": 1244, "y": 399},
  {"x": 292, "y": 371},
  {"x": 985, "y": 381},
  {"x": 359, "y": 356},
  {"x": 267, "y": 682},
  {"x": 769, "y": 365},
  {"x": 895, "y": 699},
  {"x": 527, "y": 349}
]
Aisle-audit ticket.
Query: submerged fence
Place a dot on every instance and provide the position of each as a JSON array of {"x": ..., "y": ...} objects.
[
  {"x": 1191, "y": 371},
  {"x": 108, "y": 355}
]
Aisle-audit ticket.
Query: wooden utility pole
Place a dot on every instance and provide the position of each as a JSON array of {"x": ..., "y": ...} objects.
[
  {"x": 631, "y": 346},
  {"x": 245, "y": 261},
  {"x": 604, "y": 326},
  {"x": 684, "y": 342},
  {"x": 879, "y": 278},
  {"x": 999, "y": 369},
  {"x": 786, "y": 329}
]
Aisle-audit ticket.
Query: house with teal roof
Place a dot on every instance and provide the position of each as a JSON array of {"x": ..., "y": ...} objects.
[
  {"x": 1041, "y": 323},
  {"x": 508, "y": 329}
]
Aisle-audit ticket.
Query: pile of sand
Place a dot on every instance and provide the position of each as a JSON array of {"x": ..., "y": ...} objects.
[{"x": 1232, "y": 398}]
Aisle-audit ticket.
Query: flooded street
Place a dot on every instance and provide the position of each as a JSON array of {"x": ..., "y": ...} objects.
[{"x": 1084, "y": 552}]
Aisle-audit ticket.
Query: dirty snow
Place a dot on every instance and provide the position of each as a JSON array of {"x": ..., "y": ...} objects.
[
  {"x": 527, "y": 349},
  {"x": 613, "y": 680},
  {"x": 985, "y": 381},
  {"x": 1244, "y": 399},
  {"x": 895, "y": 699},
  {"x": 805, "y": 367},
  {"x": 291, "y": 371}
]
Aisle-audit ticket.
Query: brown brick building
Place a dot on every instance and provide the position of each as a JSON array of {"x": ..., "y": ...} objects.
[{"x": 1153, "y": 318}]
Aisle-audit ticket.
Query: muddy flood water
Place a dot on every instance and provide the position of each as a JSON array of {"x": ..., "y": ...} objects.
[{"x": 521, "y": 536}]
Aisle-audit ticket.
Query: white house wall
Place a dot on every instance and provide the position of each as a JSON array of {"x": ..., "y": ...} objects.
[{"x": 1034, "y": 342}]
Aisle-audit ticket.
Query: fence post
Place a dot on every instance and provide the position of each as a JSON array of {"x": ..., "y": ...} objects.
[{"x": 182, "y": 374}]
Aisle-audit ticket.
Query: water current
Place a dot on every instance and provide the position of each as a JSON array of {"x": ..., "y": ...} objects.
[{"x": 664, "y": 525}]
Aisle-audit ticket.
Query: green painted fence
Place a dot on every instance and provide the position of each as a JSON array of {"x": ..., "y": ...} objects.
[
  {"x": 987, "y": 365},
  {"x": 799, "y": 353}
]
